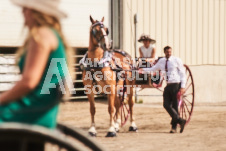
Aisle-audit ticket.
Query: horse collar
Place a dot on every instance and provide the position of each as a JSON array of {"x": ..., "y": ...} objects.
[{"x": 88, "y": 65}]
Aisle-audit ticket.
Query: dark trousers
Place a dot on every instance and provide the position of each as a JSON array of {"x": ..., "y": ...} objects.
[{"x": 170, "y": 102}]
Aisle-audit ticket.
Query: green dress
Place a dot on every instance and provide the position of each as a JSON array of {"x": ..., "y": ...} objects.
[{"x": 38, "y": 108}]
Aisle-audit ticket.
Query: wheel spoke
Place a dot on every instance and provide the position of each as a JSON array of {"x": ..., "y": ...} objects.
[
  {"x": 127, "y": 117},
  {"x": 160, "y": 89},
  {"x": 122, "y": 98},
  {"x": 187, "y": 100},
  {"x": 187, "y": 72},
  {"x": 126, "y": 107},
  {"x": 188, "y": 79},
  {"x": 185, "y": 115},
  {"x": 124, "y": 111},
  {"x": 185, "y": 95},
  {"x": 188, "y": 87},
  {"x": 187, "y": 109},
  {"x": 182, "y": 110}
]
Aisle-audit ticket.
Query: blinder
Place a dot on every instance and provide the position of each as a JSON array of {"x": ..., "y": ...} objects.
[
  {"x": 107, "y": 32},
  {"x": 94, "y": 31}
]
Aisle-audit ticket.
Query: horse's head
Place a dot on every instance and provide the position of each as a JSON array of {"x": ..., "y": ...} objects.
[{"x": 99, "y": 34}]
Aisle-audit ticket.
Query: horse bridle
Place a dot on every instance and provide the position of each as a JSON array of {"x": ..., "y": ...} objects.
[{"x": 94, "y": 31}]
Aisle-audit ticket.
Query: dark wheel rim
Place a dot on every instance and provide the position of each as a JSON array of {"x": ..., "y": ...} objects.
[
  {"x": 124, "y": 113},
  {"x": 186, "y": 101}
]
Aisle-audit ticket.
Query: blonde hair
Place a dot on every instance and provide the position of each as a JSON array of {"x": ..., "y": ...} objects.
[
  {"x": 48, "y": 21},
  {"x": 52, "y": 22}
]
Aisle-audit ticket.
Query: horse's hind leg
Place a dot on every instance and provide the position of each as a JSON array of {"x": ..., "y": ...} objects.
[
  {"x": 117, "y": 114},
  {"x": 118, "y": 94},
  {"x": 133, "y": 126}
]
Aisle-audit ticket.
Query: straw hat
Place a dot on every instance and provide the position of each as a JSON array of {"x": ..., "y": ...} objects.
[
  {"x": 146, "y": 37},
  {"x": 49, "y": 7}
]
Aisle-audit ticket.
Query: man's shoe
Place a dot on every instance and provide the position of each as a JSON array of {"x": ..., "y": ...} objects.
[
  {"x": 182, "y": 124},
  {"x": 173, "y": 131}
]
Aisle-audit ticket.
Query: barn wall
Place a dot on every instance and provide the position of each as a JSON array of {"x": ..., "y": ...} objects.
[
  {"x": 75, "y": 27},
  {"x": 195, "y": 29}
]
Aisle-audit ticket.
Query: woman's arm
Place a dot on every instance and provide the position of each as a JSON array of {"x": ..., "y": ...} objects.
[
  {"x": 141, "y": 54},
  {"x": 35, "y": 63},
  {"x": 153, "y": 53},
  {"x": 154, "y": 68}
]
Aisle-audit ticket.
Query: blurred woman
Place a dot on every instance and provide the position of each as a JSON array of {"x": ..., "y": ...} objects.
[{"x": 26, "y": 102}]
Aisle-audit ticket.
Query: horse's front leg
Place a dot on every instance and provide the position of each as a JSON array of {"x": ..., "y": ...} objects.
[
  {"x": 89, "y": 92},
  {"x": 92, "y": 130},
  {"x": 111, "y": 110},
  {"x": 117, "y": 113}
]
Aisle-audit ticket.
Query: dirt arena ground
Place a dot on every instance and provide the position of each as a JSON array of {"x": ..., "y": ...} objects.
[{"x": 205, "y": 132}]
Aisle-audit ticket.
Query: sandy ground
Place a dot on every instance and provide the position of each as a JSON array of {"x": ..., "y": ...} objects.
[{"x": 205, "y": 132}]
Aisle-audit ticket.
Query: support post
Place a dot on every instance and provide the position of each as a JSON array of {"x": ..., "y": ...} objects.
[{"x": 136, "y": 47}]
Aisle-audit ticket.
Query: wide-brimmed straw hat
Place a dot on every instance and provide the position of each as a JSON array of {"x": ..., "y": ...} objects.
[
  {"x": 146, "y": 37},
  {"x": 49, "y": 7}
]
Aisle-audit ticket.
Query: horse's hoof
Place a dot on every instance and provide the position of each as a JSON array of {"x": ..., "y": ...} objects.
[
  {"x": 117, "y": 129},
  {"x": 117, "y": 125},
  {"x": 133, "y": 129},
  {"x": 111, "y": 134},
  {"x": 92, "y": 134}
]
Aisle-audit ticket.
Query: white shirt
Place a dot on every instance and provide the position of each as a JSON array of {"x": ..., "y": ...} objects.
[
  {"x": 147, "y": 51},
  {"x": 176, "y": 70}
]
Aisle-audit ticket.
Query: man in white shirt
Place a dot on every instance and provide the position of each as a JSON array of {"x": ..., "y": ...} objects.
[{"x": 176, "y": 81}]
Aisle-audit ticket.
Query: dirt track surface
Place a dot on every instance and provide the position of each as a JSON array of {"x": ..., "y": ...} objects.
[{"x": 205, "y": 132}]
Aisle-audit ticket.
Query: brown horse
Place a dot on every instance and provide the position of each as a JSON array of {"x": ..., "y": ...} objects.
[{"x": 103, "y": 79}]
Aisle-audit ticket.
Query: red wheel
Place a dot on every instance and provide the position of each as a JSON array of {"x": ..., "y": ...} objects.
[
  {"x": 124, "y": 109},
  {"x": 186, "y": 101}
]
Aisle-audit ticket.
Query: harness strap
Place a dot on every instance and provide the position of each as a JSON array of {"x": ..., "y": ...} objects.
[{"x": 98, "y": 23}]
